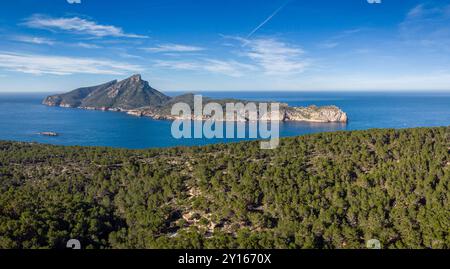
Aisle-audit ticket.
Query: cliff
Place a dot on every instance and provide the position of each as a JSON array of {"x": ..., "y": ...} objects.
[
  {"x": 136, "y": 97},
  {"x": 315, "y": 114}
]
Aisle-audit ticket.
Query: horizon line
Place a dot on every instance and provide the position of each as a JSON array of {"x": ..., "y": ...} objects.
[{"x": 271, "y": 90}]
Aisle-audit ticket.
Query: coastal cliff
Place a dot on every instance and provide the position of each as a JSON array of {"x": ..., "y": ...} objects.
[{"x": 136, "y": 97}]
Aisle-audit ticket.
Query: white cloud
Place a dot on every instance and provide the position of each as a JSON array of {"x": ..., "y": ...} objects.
[
  {"x": 416, "y": 11},
  {"x": 181, "y": 65},
  {"x": 60, "y": 65},
  {"x": 129, "y": 56},
  {"x": 50, "y": 42},
  {"x": 268, "y": 55},
  {"x": 339, "y": 38},
  {"x": 173, "y": 48},
  {"x": 34, "y": 40},
  {"x": 328, "y": 45},
  {"x": 275, "y": 57},
  {"x": 77, "y": 25},
  {"x": 74, "y": 1},
  {"x": 229, "y": 67},
  {"x": 87, "y": 45}
]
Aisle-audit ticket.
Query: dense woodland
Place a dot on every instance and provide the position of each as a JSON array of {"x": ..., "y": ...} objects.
[{"x": 326, "y": 191}]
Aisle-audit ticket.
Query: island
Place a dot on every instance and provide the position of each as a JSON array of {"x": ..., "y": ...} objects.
[
  {"x": 136, "y": 97},
  {"x": 48, "y": 134}
]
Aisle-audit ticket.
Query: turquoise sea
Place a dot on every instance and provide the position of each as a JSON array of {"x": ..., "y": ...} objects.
[{"x": 22, "y": 117}]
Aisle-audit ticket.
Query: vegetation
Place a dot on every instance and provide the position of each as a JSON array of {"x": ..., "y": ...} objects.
[{"x": 330, "y": 190}]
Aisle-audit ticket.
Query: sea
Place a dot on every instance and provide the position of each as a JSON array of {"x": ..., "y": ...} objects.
[{"x": 23, "y": 117}]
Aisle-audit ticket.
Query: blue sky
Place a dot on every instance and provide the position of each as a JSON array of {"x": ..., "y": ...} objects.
[{"x": 227, "y": 45}]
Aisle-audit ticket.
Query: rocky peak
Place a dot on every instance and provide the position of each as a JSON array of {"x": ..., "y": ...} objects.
[
  {"x": 135, "y": 78},
  {"x": 134, "y": 81},
  {"x": 130, "y": 93}
]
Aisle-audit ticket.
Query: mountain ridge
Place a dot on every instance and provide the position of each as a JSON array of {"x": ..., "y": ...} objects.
[{"x": 130, "y": 93}]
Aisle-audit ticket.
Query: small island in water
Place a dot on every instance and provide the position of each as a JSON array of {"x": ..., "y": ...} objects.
[
  {"x": 136, "y": 97},
  {"x": 52, "y": 134}
]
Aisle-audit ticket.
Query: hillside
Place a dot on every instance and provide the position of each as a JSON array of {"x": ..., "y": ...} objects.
[
  {"x": 330, "y": 190},
  {"x": 129, "y": 93}
]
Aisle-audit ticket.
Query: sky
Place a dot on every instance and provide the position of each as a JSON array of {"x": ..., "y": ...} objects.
[{"x": 226, "y": 45}]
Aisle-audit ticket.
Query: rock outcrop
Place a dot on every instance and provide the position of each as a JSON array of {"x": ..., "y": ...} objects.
[
  {"x": 136, "y": 97},
  {"x": 316, "y": 114},
  {"x": 48, "y": 134}
]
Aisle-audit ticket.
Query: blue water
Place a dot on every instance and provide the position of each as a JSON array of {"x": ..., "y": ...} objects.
[{"x": 22, "y": 116}]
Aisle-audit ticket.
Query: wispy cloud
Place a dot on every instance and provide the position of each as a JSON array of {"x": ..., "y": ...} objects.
[
  {"x": 87, "y": 45},
  {"x": 173, "y": 48},
  {"x": 51, "y": 42},
  {"x": 274, "y": 56},
  {"x": 263, "y": 55},
  {"x": 77, "y": 25},
  {"x": 336, "y": 40},
  {"x": 60, "y": 65},
  {"x": 328, "y": 45},
  {"x": 428, "y": 25},
  {"x": 230, "y": 68},
  {"x": 181, "y": 65},
  {"x": 34, "y": 40},
  {"x": 129, "y": 56},
  {"x": 349, "y": 32},
  {"x": 416, "y": 11}
]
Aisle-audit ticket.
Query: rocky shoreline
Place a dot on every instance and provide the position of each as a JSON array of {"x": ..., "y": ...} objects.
[{"x": 302, "y": 114}]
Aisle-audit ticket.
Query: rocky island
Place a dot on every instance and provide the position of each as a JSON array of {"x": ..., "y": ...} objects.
[
  {"x": 136, "y": 97},
  {"x": 51, "y": 134}
]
